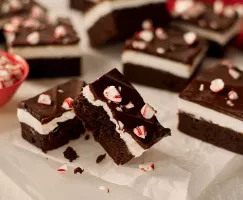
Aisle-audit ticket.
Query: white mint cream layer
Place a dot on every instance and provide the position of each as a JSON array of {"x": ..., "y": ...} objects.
[
  {"x": 134, "y": 148},
  {"x": 43, "y": 129},
  {"x": 51, "y": 51},
  {"x": 104, "y": 8},
  {"x": 218, "y": 37},
  {"x": 202, "y": 113},
  {"x": 173, "y": 67}
]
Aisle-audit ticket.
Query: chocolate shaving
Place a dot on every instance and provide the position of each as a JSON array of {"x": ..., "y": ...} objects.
[
  {"x": 100, "y": 158},
  {"x": 78, "y": 170}
]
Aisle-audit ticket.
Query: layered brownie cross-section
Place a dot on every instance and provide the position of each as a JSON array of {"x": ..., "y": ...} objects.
[
  {"x": 216, "y": 22},
  {"x": 210, "y": 108},
  {"x": 118, "y": 117},
  {"x": 163, "y": 58},
  {"x": 48, "y": 120},
  {"x": 49, "y": 44},
  {"x": 109, "y": 20}
]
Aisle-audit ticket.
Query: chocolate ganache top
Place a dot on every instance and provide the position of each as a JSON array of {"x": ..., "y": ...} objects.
[
  {"x": 45, "y": 113},
  {"x": 223, "y": 90},
  {"x": 170, "y": 43},
  {"x": 128, "y": 108}
]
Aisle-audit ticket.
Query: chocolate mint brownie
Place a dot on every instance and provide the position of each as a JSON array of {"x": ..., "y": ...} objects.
[
  {"x": 48, "y": 120},
  {"x": 210, "y": 108},
  {"x": 49, "y": 44},
  {"x": 218, "y": 23},
  {"x": 109, "y": 20},
  {"x": 163, "y": 58},
  {"x": 119, "y": 119}
]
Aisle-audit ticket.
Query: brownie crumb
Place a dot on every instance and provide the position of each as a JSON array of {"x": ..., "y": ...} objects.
[
  {"x": 87, "y": 137},
  {"x": 70, "y": 154},
  {"x": 100, "y": 158},
  {"x": 78, "y": 170}
]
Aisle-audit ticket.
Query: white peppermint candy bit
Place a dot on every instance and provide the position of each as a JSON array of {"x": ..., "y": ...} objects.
[
  {"x": 37, "y": 12},
  {"x": 16, "y": 21},
  {"x": 146, "y": 35},
  {"x": 160, "y": 33},
  {"x": 112, "y": 94},
  {"x": 190, "y": 37},
  {"x": 121, "y": 125},
  {"x": 4, "y": 60},
  {"x": 229, "y": 11},
  {"x": 67, "y": 103},
  {"x": 139, "y": 45},
  {"x": 230, "y": 103},
  {"x": 44, "y": 99},
  {"x": 227, "y": 63},
  {"x": 218, "y": 7},
  {"x": 202, "y": 23},
  {"x": 140, "y": 131},
  {"x": 160, "y": 50},
  {"x": 31, "y": 23},
  {"x": 15, "y": 4},
  {"x": 147, "y": 24},
  {"x": 214, "y": 25},
  {"x": 63, "y": 169},
  {"x": 149, "y": 166},
  {"x": 119, "y": 109},
  {"x": 182, "y": 6},
  {"x": 119, "y": 88},
  {"x": 217, "y": 85},
  {"x": 8, "y": 83},
  {"x": 129, "y": 105},
  {"x": 104, "y": 189},
  {"x": 60, "y": 31},
  {"x": 201, "y": 87},
  {"x": 233, "y": 95},
  {"x": 147, "y": 111},
  {"x": 10, "y": 28},
  {"x": 52, "y": 19},
  {"x": 235, "y": 74},
  {"x": 60, "y": 91},
  {"x": 33, "y": 38},
  {"x": 4, "y": 75}
]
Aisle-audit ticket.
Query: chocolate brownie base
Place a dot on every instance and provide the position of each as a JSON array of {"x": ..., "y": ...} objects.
[
  {"x": 211, "y": 133},
  {"x": 97, "y": 121},
  {"x": 54, "y": 67},
  {"x": 66, "y": 131},
  {"x": 154, "y": 78}
]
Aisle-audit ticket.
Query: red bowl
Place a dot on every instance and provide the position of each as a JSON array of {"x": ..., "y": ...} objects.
[{"x": 7, "y": 93}]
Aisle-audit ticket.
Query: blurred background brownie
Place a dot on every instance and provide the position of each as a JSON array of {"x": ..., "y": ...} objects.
[
  {"x": 210, "y": 108},
  {"x": 48, "y": 120},
  {"x": 119, "y": 119},
  {"x": 110, "y": 20},
  {"x": 163, "y": 58}
]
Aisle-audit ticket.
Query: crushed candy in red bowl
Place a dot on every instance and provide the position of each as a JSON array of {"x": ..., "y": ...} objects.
[{"x": 13, "y": 71}]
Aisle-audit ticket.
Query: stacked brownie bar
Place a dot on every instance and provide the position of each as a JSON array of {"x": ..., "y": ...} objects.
[
  {"x": 118, "y": 117},
  {"x": 210, "y": 108},
  {"x": 163, "y": 58},
  {"x": 109, "y": 20},
  {"x": 218, "y": 23},
  {"x": 49, "y": 44},
  {"x": 48, "y": 120}
]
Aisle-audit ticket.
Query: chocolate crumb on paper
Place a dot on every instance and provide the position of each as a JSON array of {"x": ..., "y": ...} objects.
[
  {"x": 70, "y": 154},
  {"x": 100, "y": 158},
  {"x": 78, "y": 170}
]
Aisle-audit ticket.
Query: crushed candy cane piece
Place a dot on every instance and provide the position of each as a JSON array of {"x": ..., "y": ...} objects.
[
  {"x": 148, "y": 166},
  {"x": 160, "y": 33},
  {"x": 227, "y": 63},
  {"x": 139, "y": 45},
  {"x": 230, "y": 103},
  {"x": 16, "y": 21},
  {"x": 147, "y": 24},
  {"x": 218, "y": 7},
  {"x": 37, "y": 12},
  {"x": 121, "y": 125},
  {"x": 33, "y": 38},
  {"x": 31, "y": 23},
  {"x": 104, "y": 189},
  {"x": 147, "y": 111},
  {"x": 119, "y": 109},
  {"x": 63, "y": 169},
  {"x": 217, "y": 85},
  {"x": 112, "y": 94},
  {"x": 146, "y": 35},
  {"x": 9, "y": 28},
  {"x": 229, "y": 11},
  {"x": 44, "y": 99},
  {"x": 160, "y": 50},
  {"x": 233, "y": 95},
  {"x": 60, "y": 31},
  {"x": 129, "y": 105},
  {"x": 67, "y": 103},
  {"x": 201, "y": 87},
  {"x": 190, "y": 38},
  {"x": 140, "y": 131},
  {"x": 60, "y": 91},
  {"x": 234, "y": 74}
]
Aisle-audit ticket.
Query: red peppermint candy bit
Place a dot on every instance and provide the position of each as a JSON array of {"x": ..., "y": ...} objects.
[
  {"x": 60, "y": 31},
  {"x": 104, "y": 189},
  {"x": 160, "y": 33},
  {"x": 234, "y": 74},
  {"x": 31, "y": 23},
  {"x": 67, "y": 103},
  {"x": 217, "y": 85},
  {"x": 62, "y": 169},
  {"x": 33, "y": 38},
  {"x": 190, "y": 38},
  {"x": 37, "y": 12},
  {"x": 233, "y": 95},
  {"x": 44, "y": 99},
  {"x": 218, "y": 7},
  {"x": 112, "y": 94},
  {"x": 147, "y": 111},
  {"x": 140, "y": 131},
  {"x": 139, "y": 45},
  {"x": 147, "y": 24},
  {"x": 129, "y": 105},
  {"x": 149, "y": 166}
]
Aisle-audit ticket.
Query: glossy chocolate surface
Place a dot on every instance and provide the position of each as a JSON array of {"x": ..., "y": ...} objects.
[
  {"x": 131, "y": 118},
  {"x": 217, "y": 101},
  {"x": 45, "y": 113}
]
